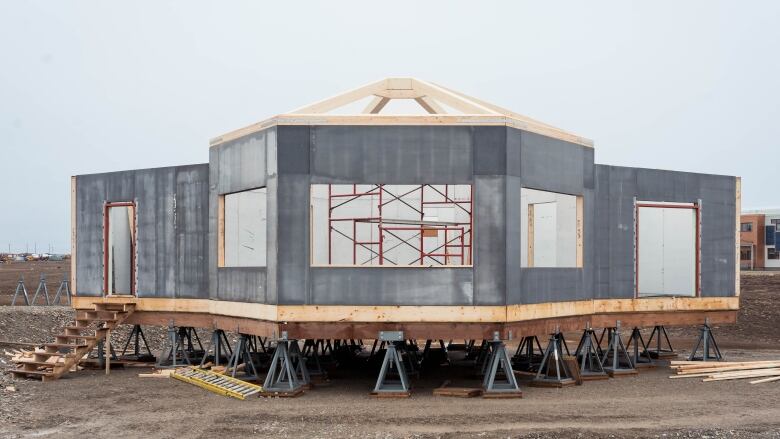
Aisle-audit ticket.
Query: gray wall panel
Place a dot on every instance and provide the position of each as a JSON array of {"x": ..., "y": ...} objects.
[
  {"x": 158, "y": 258},
  {"x": 554, "y": 165},
  {"x": 90, "y": 196},
  {"x": 213, "y": 280},
  {"x": 241, "y": 284},
  {"x": 391, "y": 154},
  {"x": 490, "y": 240},
  {"x": 616, "y": 189},
  {"x": 192, "y": 199},
  {"x": 293, "y": 239},
  {"x": 514, "y": 240},
  {"x": 391, "y": 286},
  {"x": 490, "y": 150},
  {"x": 293, "y": 149},
  {"x": 242, "y": 164}
]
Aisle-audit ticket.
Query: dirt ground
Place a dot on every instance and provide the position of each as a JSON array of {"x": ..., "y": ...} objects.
[
  {"x": 649, "y": 405},
  {"x": 10, "y": 272}
]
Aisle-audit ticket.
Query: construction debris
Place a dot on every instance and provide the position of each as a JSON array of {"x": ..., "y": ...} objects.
[
  {"x": 161, "y": 373},
  {"x": 723, "y": 371}
]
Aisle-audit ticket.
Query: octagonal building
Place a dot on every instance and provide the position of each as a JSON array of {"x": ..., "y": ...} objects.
[{"x": 340, "y": 219}]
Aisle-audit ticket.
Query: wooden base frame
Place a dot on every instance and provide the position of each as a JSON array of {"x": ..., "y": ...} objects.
[{"x": 426, "y": 322}]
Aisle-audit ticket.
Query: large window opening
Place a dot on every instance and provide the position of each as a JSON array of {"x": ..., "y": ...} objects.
[
  {"x": 242, "y": 228},
  {"x": 667, "y": 249},
  {"x": 119, "y": 248},
  {"x": 552, "y": 225},
  {"x": 391, "y": 225}
]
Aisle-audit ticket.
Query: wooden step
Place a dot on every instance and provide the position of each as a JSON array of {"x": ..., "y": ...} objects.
[
  {"x": 28, "y": 373},
  {"x": 40, "y": 363},
  {"x": 75, "y": 337},
  {"x": 65, "y": 345},
  {"x": 54, "y": 354}
]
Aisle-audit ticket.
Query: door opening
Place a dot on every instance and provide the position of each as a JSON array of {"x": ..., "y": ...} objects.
[{"x": 119, "y": 249}]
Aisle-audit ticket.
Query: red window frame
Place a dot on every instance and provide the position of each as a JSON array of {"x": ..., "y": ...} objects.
[
  {"x": 107, "y": 206},
  {"x": 697, "y": 263}
]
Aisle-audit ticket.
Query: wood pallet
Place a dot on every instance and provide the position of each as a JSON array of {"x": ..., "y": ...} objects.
[
  {"x": 77, "y": 340},
  {"x": 457, "y": 392}
]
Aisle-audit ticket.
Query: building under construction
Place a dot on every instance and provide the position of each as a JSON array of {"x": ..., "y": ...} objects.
[{"x": 342, "y": 221}]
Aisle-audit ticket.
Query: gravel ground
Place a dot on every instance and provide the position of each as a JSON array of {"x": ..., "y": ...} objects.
[{"x": 645, "y": 406}]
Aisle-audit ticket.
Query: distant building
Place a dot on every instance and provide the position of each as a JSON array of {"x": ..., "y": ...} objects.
[{"x": 760, "y": 239}]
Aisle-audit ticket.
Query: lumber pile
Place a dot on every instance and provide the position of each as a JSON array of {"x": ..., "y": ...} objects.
[{"x": 759, "y": 371}]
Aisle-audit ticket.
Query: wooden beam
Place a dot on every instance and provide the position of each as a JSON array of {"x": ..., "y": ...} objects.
[
  {"x": 389, "y": 119},
  {"x": 376, "y": 105},
  {"x": 430, "y": 105},
  {"x": 451, "y": 99},
  {"x": 425, "y": 314},
  {"x": 342, "y": 99}
]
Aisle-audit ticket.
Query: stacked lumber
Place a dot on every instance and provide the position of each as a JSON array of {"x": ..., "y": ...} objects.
[{"x": 765, "y": 371}]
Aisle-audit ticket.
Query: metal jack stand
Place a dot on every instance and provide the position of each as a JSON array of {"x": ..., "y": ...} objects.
[
  {"x": 136, "y": 336},
  {"x": 659, "y": 351},
  {"x": 221, "y": 347},
  {"x": 41, "y": 286},
  {"x": 708, "y": 345},
  {"x": 242, "y": 353},
  {"x": 174, "y": 353},
  {"x": 500, "y": 365},
  {"x": 587, "y": 354},
  {"x": 64, "y": 288},
  {"x": 616, "y": 351},
  {"x": 311, "y": 349},
  {"x": 553, "y": 371},
  {"x": 282, "y": 378},
  {"x": 21, "y": 288},
  {"x": 392, "y": 362},
  {"x": 640, "y": 356},
  {"x": 529, "y": 354}
]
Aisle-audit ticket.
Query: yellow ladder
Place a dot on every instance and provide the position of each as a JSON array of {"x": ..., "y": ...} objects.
[{"x": 217, "y": 383}]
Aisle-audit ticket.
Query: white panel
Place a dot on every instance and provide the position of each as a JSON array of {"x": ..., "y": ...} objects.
[
  {"x": 679, "y": 252},
  {"x": 119, "y": 250},
  {"x": 545, "y": 234},
  {"x": 667, "y": 251},
  {"x": 651, "y": 251},
  {"x": 564, "y": 253},
  {"x": 245, "y": 228}
]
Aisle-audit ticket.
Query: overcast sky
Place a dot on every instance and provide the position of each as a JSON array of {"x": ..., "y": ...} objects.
[{"x": 99, "y": 86}]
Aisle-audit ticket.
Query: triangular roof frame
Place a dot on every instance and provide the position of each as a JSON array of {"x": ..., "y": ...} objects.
[{"x": 431, "y": 97}]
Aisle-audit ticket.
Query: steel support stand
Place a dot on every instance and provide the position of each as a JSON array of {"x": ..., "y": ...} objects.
[
  {"x": 64, "y": 288},
  {"x": 174, "y": 353},
  {"x": 311, "y": 349},
  {"x": 221, "y": 347},
  {"x": 20, "y": 288},
  {"x": 639, "y": 354},
  {"x": 587, "y": 354},
  {"x": 660, "y": 351},
  {"x": 526, "y": 357},
  {"x": 242, "y": 353},
  {"x": 552, "y": 371},
  {"x": 136, "y": 336},
  {"x": 42, "y": 285},
  {"x": 500, "y": 378},
  {"x": 282, "y": 376},
  {"x": 616, "y": 352},
  {"x": 392, "y": 363},
  {"x": 707, "y": 342}
]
